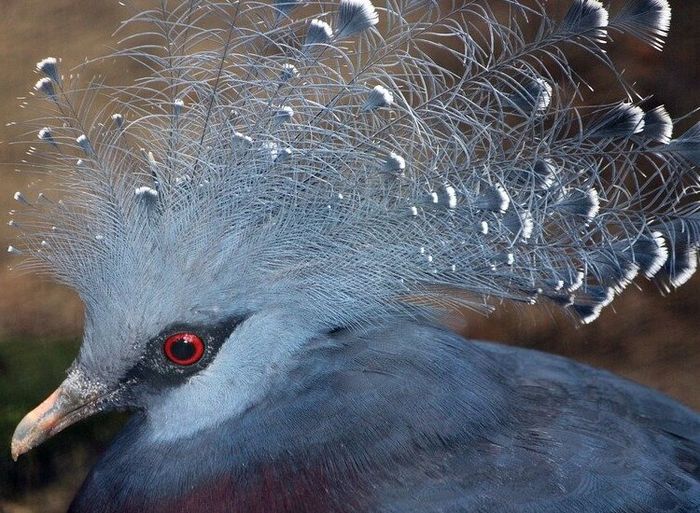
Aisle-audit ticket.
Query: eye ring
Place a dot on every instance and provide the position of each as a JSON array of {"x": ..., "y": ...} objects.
[{"x": 183, "y": 348}]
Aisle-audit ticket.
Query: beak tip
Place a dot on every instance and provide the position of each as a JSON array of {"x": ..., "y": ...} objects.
[
  {"x": 34, "y": 427},
  {"x": 21, "y": 443},
  {"x": 17, "y": 448}
]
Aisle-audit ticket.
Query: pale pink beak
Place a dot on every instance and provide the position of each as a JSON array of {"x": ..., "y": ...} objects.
[{"x": 65, "y": 406}]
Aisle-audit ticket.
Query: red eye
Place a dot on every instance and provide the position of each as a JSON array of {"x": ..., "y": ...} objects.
[{"x": 183, "y": 348}]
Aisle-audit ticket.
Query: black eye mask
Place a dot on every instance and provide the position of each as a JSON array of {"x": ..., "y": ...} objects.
[{"x": 179, "y": 351}]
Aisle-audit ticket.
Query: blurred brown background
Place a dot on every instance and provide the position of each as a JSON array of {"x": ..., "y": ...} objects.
[{"x": 645, "y": 337}]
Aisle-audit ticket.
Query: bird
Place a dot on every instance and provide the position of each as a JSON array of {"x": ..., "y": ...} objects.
[{"x": 270, "y": 227}]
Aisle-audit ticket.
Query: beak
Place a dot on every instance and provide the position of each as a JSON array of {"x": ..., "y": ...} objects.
[{"x": 69, "y": 404}]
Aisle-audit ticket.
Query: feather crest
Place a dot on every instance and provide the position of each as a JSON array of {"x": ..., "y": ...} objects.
[{"x": 264, "y": 151}]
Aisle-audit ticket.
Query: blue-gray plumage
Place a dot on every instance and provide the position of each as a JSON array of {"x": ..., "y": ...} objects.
[
  {"x": 266, "y": 232},
  {"x": 406, "y": 418}
]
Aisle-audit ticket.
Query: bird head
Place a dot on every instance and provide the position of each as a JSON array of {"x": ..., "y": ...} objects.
[{"x": 157, "y": 340}]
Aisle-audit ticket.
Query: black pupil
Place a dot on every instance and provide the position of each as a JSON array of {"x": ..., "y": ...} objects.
[{"x": 182, "y": 349}]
